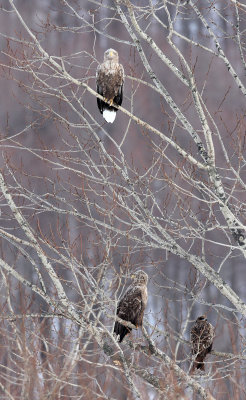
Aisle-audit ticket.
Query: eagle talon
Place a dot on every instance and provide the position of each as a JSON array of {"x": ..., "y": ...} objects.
[{"x": 111, "y": 102}]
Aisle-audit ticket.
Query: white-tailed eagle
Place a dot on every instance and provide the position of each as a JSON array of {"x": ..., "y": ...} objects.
[
  {"x": 132, "y": 305},
  {"x": 202, "y": 335},
  {"x": 110, "y": 80}
]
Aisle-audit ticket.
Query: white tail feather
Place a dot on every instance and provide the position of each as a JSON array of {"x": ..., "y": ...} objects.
[{"x": 109, "y": 115}]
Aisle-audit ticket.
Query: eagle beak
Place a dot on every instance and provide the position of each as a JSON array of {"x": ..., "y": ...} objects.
[
  {"x": 111, "y": 54},
  {"x": 133, "y": 276}
]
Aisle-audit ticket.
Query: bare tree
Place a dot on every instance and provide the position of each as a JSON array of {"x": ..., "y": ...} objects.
[{"x": 84, "y": 203}]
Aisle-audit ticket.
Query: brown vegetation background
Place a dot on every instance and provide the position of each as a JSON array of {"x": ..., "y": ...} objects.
[{"x": 84, "y": 203}]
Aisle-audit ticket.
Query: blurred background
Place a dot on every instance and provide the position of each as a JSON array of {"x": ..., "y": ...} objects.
[{"x": 103, "y": 200}]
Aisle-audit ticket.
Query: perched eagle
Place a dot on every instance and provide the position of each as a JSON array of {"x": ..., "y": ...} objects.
[
  {"x": 110, "y": 79},
  {"x": 201, "y": 336},
  {"x": 132, "y": 305}
]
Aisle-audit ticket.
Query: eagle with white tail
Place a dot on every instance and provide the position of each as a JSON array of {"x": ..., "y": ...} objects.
[{"x": 110, "y": 80}]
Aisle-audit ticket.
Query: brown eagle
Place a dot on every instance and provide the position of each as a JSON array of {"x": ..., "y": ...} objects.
[
  {"x": 110, "y": 79},
  {"x": 132, "y": 305},
  {"x": 201, "y": 336}
]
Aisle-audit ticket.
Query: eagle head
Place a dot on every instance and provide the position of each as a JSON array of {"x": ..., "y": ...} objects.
[
  {"x": 111, "y": 55},
  {"x": 140, "y": 277}
]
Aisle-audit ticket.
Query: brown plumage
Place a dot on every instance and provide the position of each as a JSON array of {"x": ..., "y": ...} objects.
[
  {"x": 132, "y": 305},
  {"x": 110, "y": 80},
  {"x": 202, "y": 335}
]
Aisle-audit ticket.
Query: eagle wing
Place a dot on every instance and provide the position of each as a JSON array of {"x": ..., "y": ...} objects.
[
  {"x": 131, "y": 308},
  {"x": 99, "y": 81},
  {"x": 202, "y": 335},
  {"x": 109, "y": 85}
]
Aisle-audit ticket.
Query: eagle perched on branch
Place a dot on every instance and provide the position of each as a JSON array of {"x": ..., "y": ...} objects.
[
  {"x": 202, "y": 335},
  {"x": 132, "y": 305},
  {"x": 110, "y": 79}
]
